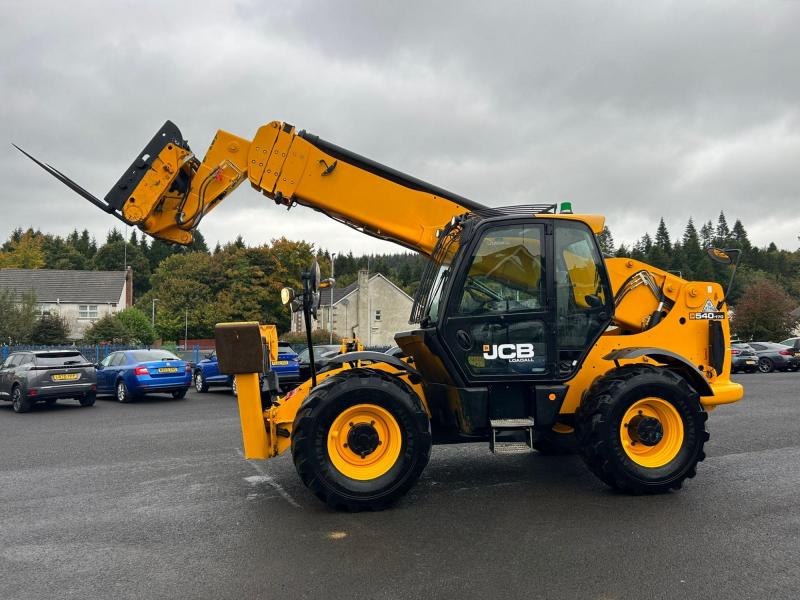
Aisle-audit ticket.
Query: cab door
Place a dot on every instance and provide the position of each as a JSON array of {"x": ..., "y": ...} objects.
[
  {"x": 529, "y": 299},
  {"x": 499, "y": 323}
]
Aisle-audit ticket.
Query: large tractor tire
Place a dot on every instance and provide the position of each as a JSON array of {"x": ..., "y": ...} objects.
[
  {"x": 361, "y": 440},
  {"x": 641, "y": 429}
]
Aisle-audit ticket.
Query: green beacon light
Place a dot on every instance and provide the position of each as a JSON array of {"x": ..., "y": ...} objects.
[{"x": 566, "y": 208}]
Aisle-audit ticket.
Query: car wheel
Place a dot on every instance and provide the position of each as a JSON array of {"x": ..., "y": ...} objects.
[
  {"x": 200, "y": 383},
  {"x": 765, "y": 365},
  {"x": 180, "y": 393},
  {"x": 19, "y": 402},
  {"x": 123, "y": 393},
  {"x": 50, "y": 401},
  {"x": 88, "y": 399}
]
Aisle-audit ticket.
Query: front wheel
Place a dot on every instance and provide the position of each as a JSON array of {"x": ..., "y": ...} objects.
[
  {"x": 641, "y": 429},
  {"x": 200, "y": 383},
  {"x": 361, "y": 440},
  {"x": 765, "y": 365}
]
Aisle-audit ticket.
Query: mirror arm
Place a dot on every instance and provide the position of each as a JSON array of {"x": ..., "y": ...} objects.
[{"x": 729, "y": 251}]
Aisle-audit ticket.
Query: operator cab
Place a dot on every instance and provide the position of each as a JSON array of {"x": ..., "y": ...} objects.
[{"x": 510, "y": 303}]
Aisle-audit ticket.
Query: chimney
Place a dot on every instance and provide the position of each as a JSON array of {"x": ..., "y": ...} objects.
[
  {"x": 128, "y": 288},
  {"x": 363, "y": 306}
]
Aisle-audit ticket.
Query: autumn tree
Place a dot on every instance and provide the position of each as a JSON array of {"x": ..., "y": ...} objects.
[{"x": 763, "y": 313}]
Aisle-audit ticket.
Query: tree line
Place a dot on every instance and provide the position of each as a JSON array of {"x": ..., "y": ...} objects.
[{"x": 199, "y": 287}]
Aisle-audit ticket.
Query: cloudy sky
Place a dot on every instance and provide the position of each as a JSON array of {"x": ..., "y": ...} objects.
[{"x": 632, "y": 109}]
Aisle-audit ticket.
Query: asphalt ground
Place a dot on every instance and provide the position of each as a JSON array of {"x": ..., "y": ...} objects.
[{"x": 154, "y": 500}]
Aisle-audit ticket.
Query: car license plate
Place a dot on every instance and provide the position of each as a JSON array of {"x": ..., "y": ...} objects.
[
  {"x": 168, "y": 370},
  {"x": 281, "y": 363},
  {"x": 65, "y": 377},
  {"x": 797, "y": 354},
  {"x": 749, "y": 362}
]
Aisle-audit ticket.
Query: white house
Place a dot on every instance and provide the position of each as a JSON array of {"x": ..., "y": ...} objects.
[
  {"x": 372, "y": 308},
  {"x": 80, "y": 297}
]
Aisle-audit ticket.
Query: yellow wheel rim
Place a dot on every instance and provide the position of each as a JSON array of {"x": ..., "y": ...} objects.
[
  {"x": 651, "y": 432},
  {"x": 364, "y": 442},
  {"x": 562, "y": 428}
]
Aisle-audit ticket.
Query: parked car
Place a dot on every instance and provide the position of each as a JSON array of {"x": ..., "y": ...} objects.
[
  {"x": 322, "y": 354},
  {"x": 287, "y": 367},
  {"x": 206, "y": 374},
  {"x": 130, "y": 374},
  {"x": 772, "y": 356},
  {"x": 396, "y": 351},
  {"x": 792, "y": 343},
  {"x": 743, "y": 358},
  {"x": 45, "y": 376}
]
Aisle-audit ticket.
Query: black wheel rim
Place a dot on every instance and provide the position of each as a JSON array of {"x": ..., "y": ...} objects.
[{"x": 17, "y": 399}]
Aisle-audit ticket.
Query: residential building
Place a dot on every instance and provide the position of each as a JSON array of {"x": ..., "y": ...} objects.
[
  {"x": 372, "y": 308},
  {"x": 80, "y": 297}
]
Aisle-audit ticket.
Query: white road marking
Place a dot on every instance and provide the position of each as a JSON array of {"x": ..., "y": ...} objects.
[{"x": 263, "y": 477}]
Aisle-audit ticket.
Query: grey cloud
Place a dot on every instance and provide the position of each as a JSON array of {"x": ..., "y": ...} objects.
[{"x": 634, "y": 110}]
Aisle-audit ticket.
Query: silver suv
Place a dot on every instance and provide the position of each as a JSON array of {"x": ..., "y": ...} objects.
[{"x": 46, "y": 376}]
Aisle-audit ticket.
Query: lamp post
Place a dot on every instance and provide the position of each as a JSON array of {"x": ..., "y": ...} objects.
[
  {"x": 330, "y": 305},
  {"x": 153, "y": 314}
]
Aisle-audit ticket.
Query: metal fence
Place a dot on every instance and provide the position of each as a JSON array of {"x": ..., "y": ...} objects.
[{"x": 97, "y": 352}]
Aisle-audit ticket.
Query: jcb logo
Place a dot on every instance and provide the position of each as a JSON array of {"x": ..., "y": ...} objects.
[{"x": 509, "y": 352}]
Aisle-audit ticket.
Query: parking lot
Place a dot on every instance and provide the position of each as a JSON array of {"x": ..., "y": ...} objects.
[{"x": 153, "y": 500}]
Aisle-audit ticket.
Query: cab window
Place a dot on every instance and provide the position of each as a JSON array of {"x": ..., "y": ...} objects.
[{"x": 506, "y": 273}]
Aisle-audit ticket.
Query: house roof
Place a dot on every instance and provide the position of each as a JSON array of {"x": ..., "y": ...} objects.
[
  {"x": 51, "y": 285},
  {"x": 340, "y": 293}
]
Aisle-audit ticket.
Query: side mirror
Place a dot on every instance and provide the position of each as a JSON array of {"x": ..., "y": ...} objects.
[
  {"x": 209, "y": 355},
  {"x": 98, "y": 366},
  {"x": 720, "y": 256}
]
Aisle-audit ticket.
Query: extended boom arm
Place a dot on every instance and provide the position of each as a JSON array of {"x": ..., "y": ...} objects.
[{"x": 167, "y": 191}]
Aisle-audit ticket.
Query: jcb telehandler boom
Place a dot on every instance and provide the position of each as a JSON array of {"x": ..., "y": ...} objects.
[{"x": 525, "y": 337}]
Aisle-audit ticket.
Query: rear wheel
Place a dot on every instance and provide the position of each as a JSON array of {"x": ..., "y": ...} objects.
[
  {"x": 19, "y": 402},
  {"x": 180, "y": 394},
  {"x": 50, "y": 401},
  {"x": 88, "y": 399},
  {"x": 200, "y": 383},
  {"x": 361, "y": 440},
  {"x": 123, "y": 393},
  {"x": 765, "y": 365},
  {"x": 641, "y": 429}
]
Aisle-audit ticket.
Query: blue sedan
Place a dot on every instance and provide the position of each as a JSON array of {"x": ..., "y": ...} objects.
[{"x": 131, "y": 374}]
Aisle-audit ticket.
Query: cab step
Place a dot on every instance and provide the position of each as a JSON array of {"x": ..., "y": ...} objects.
[{"x": 518, "y": 434}]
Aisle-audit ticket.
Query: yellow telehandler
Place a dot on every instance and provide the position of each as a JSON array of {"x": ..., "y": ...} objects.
[{"x": 524, "y": 335}]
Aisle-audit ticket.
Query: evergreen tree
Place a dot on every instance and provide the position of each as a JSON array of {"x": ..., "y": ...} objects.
[
  {"x": 692, "y": 252},
  {"x": 723, "y": 232},
  {"x": 606, "y": 241},
  {"x": 662, "y": 241},
  {"x": 739, "y": 235},
  {"x": 114, "y": 236},
  {"x": 707, "y": 235}
]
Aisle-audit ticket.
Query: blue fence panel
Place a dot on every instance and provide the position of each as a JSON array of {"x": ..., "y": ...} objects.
[{"x": 94, "y": 353}]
